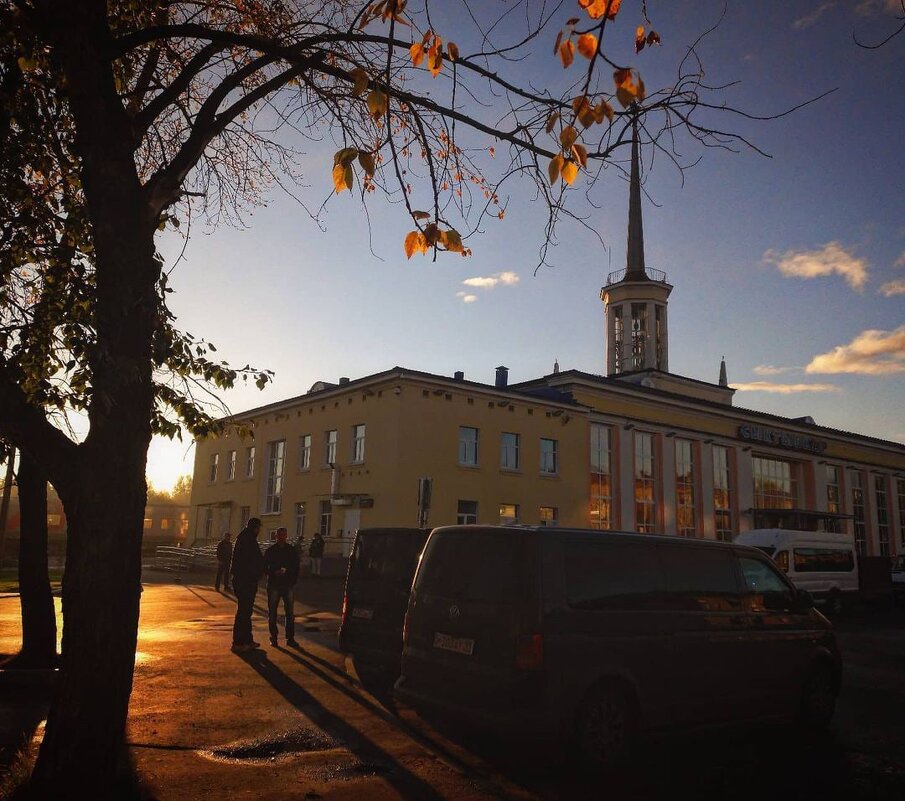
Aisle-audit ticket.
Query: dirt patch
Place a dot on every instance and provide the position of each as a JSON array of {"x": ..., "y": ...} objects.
[{"x": 279, "y": 745}]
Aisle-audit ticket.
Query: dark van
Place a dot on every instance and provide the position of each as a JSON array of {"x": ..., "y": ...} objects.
[
  {"x": 378, "y": 579},
  {"x": 588, "y": 637}
]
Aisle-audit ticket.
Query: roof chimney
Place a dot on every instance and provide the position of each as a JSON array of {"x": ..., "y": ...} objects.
[
  {"x": 555, "y": 366},
  {"x": 502, "y": 377},
  {"x": 458, "y": 376},
  {"x": 343, "y": 380}
]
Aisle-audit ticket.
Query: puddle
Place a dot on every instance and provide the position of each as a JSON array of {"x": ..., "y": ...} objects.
[{"x": 279, "y": 745}]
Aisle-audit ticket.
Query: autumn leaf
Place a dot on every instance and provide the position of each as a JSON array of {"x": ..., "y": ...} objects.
[
  {"x": 361, "y": 81},
  {"x": 367, "y": 162},
  {"x": 417, "y": 53},
  {"x": 551, "y": 121},
  {"x": 435, "y": 57},
  {"x": 420, "y": 215},
  {"x": 653, "y": 38},
  {"x": 587, "y": 45},
  {"x": 567, "y": 53},
  {"x": 554, "y": 169},
  {"x": 452, "y": 241},
  {"x": 569, "y": 172},
  {"x": 342, "y": 177},
  {"x": 597, "y": 8},
  {"x": 452, "y": 50},
  {"x": 345, "y": 156},
  {"x": 568, "y": 137},
  {"x": 377, "y": 104},
  {"x": 414, "y": 243},
  {"x": 624, "y": 96},
  {"x": 639, "y": 39},
  {"x": 622, "y": 76},
  {"x": 584, "y": 112},
  {"x": 581, "y": 154},
  {"x": 601, "y": 110}
]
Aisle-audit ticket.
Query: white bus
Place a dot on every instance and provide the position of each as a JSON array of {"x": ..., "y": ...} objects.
[{"x": 823, "y": 563}]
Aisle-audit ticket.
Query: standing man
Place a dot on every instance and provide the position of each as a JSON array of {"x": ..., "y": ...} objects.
[
  {"x": 247, "y": 569},
  {"x": 224, "y": 558},
  {"x": 281, "y": 562},
  {"x": 316, "y": 551}
]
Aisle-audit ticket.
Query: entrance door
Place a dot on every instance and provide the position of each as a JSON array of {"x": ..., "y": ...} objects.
[{"x": 351, "y": 521}]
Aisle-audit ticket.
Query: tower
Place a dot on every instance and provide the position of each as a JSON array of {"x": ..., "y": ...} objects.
[{"x": 635, "y": 299}]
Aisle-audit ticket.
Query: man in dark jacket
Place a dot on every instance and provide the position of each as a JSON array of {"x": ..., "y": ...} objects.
[
  {"x": 247, "y": 569},
  {"x": 281, "y": 561},
  {"x": 224, "y": 558}
]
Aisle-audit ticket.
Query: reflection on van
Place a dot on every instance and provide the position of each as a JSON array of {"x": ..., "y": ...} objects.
[
  {"x": 584, "y": 638},
  {"x": 823, "y": 563}
]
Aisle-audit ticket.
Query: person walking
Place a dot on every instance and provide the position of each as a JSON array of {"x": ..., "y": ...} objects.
[
  {"x": 316, "y": 552},
  {"x": 224, "y": 559},
  {"x": 247, "y": 568},
  {"x": 281, "y": 562}
]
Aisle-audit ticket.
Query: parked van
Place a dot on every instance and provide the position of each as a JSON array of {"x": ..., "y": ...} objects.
[
  {"x": 586, "y": 637},
  {"x": 378, "y": 578},
  {"x": 823, "y": 563},
  {"x": 898, "y": 579}
]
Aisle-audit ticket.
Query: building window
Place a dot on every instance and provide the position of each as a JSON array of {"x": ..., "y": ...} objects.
[
  {"x": 509, "y": 456},
  {"x": 54, "y": 520},
  {"x": 250, "y": 462},
  {"x": 231, "y": 466},
  {"x": 601, "y": 477},
  {"x": 618, "y": 338},
  {"x": 467, "y": 513},
  {"x": 330, "y": 447},
  {"x": 722, "y": 498},
  {"x": 660, "y": 335},
  {"x": 164, "y": 523},
  {"x": 549, "y": 516},
  {"x": 833, "y": 496},
  {"x": 685, "y": 496},
  {"x": 149, "y": 522},
  {"x": 639, "y": 335},
  {"x": 508, "y": 513},
  {"x": 358, "y": 444},
  {"x": 244, "y": 516},
  {"x": 208, "y": 522},
  {"x": 645, "y": 477},
  {"x": 299, "y": 521},
  {"x": 326, "y": 516},
  {"x": 468, "y": 445},
  {"x": 900, "y": 491},
  {"x": 857, "y": 484},
  {"x": 775, "y": 486},
  {"x": 273, "y": 498},
  {"x": 305, "y": 452},
  {"x": 549, "y": 460},
  {"x": 215, "y": 466},
  {"x": 882, "y": 514}
]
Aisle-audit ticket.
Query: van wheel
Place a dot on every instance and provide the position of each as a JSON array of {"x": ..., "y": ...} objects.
[
  {"x": 834, "y": 603},
  {"x": 818, "y": 697},
  {"x": 606, "y": 728}
]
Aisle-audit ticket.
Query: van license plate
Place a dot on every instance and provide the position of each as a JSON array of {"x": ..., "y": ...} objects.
[
  {"x": 363, "y": 614},
  {"x": 460, "y": 645}
]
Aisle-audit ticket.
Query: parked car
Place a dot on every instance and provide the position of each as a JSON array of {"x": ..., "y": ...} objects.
[
  {"x": 823, "y": 563},
  {"x": 378, "y": 579},
  {"x": 898, "y": 579},
  {"x": 585, "y": 638}
]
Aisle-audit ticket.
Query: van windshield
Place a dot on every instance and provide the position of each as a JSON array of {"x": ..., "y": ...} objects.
[
  {"x": 389, "y": 556},
  {"x": 480, "y": 566}
]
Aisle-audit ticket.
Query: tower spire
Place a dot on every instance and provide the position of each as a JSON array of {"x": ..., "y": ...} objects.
[
  {"x": 634, "y": 268},
  {"x": 724, "y": 381}
]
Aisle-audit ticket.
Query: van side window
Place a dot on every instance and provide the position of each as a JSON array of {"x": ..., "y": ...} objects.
[
  {"x": 768, "y": 589},
  {"x": 603, "y": 575},
  {"x": 700, "y": 579},
  {"x": 782, "y": 561},
  {"x": 824, "y": 560}
]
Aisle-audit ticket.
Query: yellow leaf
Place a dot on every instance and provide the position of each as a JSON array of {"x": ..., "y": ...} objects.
[
  {"x": 431, "y": 234},
  {"x": 639, "y": 39},
  {"x": 345, "y": 156},
  {"x": 551, "y": 121},
  {"x": 569, "y": 172},
  {"x": 555, "y": 168},
  {"x": 622, "y": 76},
  {"x": 625, "y": 97},
  {"x": 435, "y": 57},
  {"x": 566, "y": 53},
  {"x": 597, "y": 8},
  {"x": 642, "y": 92},
  {"x": 417, "y": 52},
  {"x": 581, "y": 154},
  {"x": 420, "y": 215},
  {"x": 452, "y": 241},
  {"x": 452, "y": 50},
  {"x": 583, "y": 111},
  {"x": 601, "y": 110},
  {"x": 367, "y": 162},
  {"x": 568, "y": 137},
  {"x": 414, "y": 243},
  {"x": 587, "y": 45},
  {"x": 361, "y": 81},
  {"x": 377, "y": 104},
  {"x": 557, "y": 43},
  {"x": 342, "y": 177}
]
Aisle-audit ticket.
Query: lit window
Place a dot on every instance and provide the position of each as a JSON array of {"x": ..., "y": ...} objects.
[
  {"x": 722, "y": 498},
  {"x": 685, "y": 495},
  {"x": 549, "y": 516},
  {"x": 508, "y": 513},
  {"x": 215, "y": 465},
  {"x": 645, "y": 488},
  {"x": 148, "y": 523},
  {"x": 230, "y": 466},
  {"x": 601, "y": 506}
]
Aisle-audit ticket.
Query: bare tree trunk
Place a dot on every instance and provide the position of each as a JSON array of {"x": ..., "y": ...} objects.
[{"x": 39, "y": 622}]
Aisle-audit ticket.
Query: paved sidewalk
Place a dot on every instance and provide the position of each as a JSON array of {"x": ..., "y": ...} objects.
[{"x": 275, "y": 724}]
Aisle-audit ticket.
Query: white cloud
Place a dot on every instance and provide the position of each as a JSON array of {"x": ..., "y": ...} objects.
[
  {"x": 900, "y": 262},
  {"x": 867, "y": 7},
  {"x": 890, "y": 288},
  {"x": 466, "y": 298},
  {"x": 769, "y": 369},
  {"x": 490, "y": 281},
  {"x": 783, "y": 389},
  {"x": 831, "y": 258},
  {"x": 872, "y": 352},
  {"x": 809, "y": 19}
]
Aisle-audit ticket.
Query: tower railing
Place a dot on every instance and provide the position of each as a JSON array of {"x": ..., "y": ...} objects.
[{"x": 652, "y": 275}]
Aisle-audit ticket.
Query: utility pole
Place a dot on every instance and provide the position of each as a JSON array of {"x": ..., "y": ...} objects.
[
  {"x": 4, "y": 504},
  {"x": 424, "y": 500}
]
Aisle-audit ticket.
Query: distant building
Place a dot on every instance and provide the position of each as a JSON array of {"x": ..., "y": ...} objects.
[{"x": 638, "y": 449}]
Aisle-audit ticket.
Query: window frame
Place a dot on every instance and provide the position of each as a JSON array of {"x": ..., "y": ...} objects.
[
  {"x": 545, "y": 457},
  {"x": 358, "y": 443},
  {"x": 466, "y": 447},
  {"x": 510, "y": 451}
]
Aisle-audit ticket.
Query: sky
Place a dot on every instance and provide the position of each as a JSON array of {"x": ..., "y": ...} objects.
[{"x": 791, "y": 267}]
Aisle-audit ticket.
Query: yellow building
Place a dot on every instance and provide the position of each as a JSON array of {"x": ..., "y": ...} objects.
[{"x": 640, "y": 449}]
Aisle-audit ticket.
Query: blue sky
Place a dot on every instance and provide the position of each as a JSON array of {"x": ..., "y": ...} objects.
[{"x": 792, "y": 267}]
